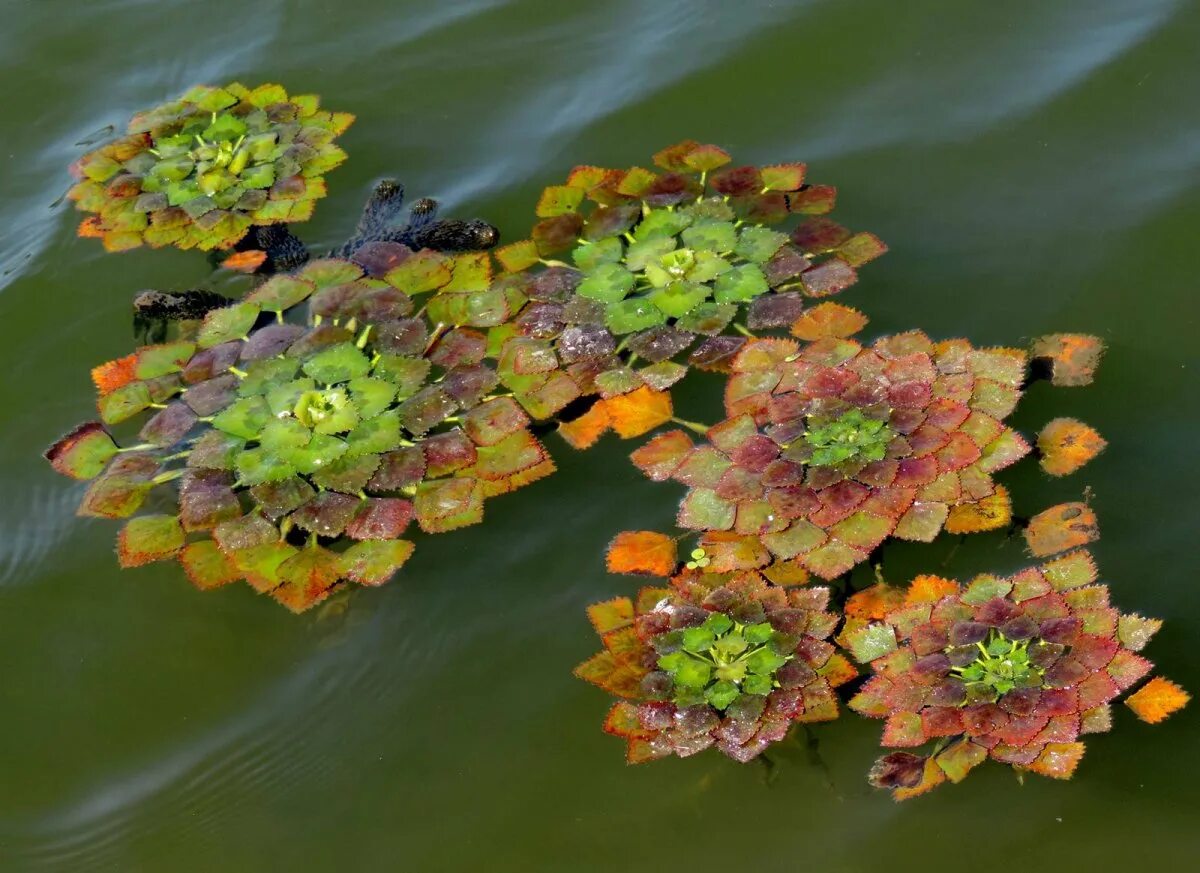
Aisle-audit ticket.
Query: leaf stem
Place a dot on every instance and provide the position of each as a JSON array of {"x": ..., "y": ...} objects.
[{"x": 691, "y": 425}]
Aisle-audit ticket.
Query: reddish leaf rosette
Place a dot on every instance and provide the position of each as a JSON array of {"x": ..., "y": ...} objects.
[
  {"x": 303, "y": 429},
  {"x": 1014, "y": 669},
  {"x": 724, "y": 660},
  {"x": 831, "y": 447}
]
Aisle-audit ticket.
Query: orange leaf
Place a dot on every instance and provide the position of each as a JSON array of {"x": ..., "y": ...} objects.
[
  {"x": 875, "y": 602},
  {"x": 114, "y": 374},
  {"x": 245, "y": 262},
  {"x": 989, "y": 513},
  {"x": 785, "y": 573},
  {"x": 1073, "y": 357},
  {"x": 828, "y": 320},
  {"x": 730, "y": 551},
  {"x": 642, "y": 551},
  {"x": 1058, "y": 760},
  {"x": 1060, "y": 528},
  {"x": 610, "y": 615},
  {"x": 638, "y": 411},
  {"x": 583, "y": 432},
  {"x": 1066, "y": 445},
  {"x": 1157, "y": 699},
  {"x": 837, "y": 671},
  {"x": 930, "y": 779},
  {"x": 929, "y": 589},
  {"x": 90, "y": 228}
]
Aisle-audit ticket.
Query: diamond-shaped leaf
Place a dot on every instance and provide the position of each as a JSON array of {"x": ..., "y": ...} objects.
[
  {"x": 83, "y": 453},
  {"x": 1061, "y": 527},
  {"x": 149, "y": 538},
  {"x": 374, "y": 562},
  {"x": 642, "y": 552}
]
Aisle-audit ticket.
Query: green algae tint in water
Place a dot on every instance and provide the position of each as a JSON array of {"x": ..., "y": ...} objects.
[{"x": 1032, "y": 171}]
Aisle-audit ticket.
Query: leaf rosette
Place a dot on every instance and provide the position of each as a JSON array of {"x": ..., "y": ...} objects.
[
  {"x": 198, "y": 171},
  {"x": 831, "y": 447},
  {"x": 724, "y": 660},
  {"x": 302, "y": 448},
  {"x": 1014, "y": 669},
  {"x": 668, "y": 269}
]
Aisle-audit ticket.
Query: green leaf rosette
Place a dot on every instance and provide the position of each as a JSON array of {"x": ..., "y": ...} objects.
[{"x": 197, "y": 172}]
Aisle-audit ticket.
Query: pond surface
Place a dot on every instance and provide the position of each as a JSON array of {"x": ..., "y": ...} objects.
[{"x": 1034, "y": 167}]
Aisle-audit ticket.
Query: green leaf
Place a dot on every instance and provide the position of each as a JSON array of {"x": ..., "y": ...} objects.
[
  {"x": 758, "y": 684},
  {"x": 757, "y": 634},
  {"x": 244, "y": 418},
  {"x": 149, "y": 538},
  {"x": 649, "y": 251},
  {"x": 608, "y": 283},
  {"x": 692, "y": 673},
  {"x": 718, "y": 623},
  {"x": 83, "y": 453},
  {"x": 375, "y": 436},
  {"x": 124, "y": 403},
  {"x": 374, "y": 562},
  {"x": 591, "y": 255},
  {"x": 423, "y": 271},
  {"x": 678, "y": 299},
  {"x": 283, "y": 398},
  {"x": 713, "y": 236},
  {"x": 280, "y": 293},
  {"x": 266, "y": 374},
  {"x": 155, "y": 361},
  {"x": 764, "y": 662},
  {"x": 338, "y": 363},
  {"x": 258, "y": 466},
  {"x": 758, "y": 244},
  {"x": 632, "y": 315},
  {"x": 871, "y": 642},
  {"x": 321, "y": 451},
  {"x": 740, "y": 285},
  {"x": 661, "y": 224},
  {"x": 698, "y": 639},
  {"x": 228, "y": 323},
  {"x": 371, "y": 396},
  {"x": 721, "y": 694}
]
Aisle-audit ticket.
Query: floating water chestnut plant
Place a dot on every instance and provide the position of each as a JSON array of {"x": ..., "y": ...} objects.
[
  {"x": 198, "y": 171},
  {"x": 670, "y": 269},
  {"x": 1015, "y": 669},
  {"x": 831, "y": 447},
  {"x": 303, "y": 450},
  {"x": 716, "y": 659}
]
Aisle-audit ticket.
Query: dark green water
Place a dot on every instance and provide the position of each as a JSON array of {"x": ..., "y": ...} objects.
[{"x": 1034, "y": 166}]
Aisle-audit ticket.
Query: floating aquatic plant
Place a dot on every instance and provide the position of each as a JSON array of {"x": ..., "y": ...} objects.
[
  {"x": 831, "y": 447},
  {"x": 1014, "y": 669},
  {"x": 290, "y": 439},
  {"x": 302, "y": 451},
  {"x": 660, "y": 263},
  {"x": 716, "y": 659},
  {"x": 199, "y": 171}
]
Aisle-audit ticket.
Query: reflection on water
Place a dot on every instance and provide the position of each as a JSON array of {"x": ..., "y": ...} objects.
[{"x": 1033, "y": 169}]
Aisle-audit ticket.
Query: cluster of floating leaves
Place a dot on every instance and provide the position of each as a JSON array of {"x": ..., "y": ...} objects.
[
  {"x": 728, "y": 660},
  {"x": 671, "y": 269},
  {"x": 1014, "y": 669},
  {"x": 303, "y": 448},
  {"x": 304, "y": 428},
  {"x": 828, "y": 448},
  {"x": 197, "y": 172},
  {"x": 831, "y": 447}
]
